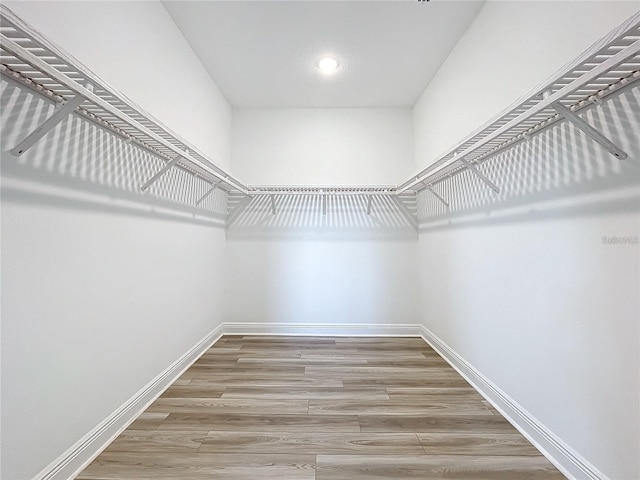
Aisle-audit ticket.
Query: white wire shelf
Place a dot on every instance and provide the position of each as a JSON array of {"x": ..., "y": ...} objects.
[
  {"x": 322, "y": 190},
  {"x": 611, "y": 64},
  {"x": 356, "y": 199},
  {"x": 28, "y": 57}
]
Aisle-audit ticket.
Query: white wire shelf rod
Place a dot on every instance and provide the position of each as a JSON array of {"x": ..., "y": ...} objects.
[
  {"x": 73, "y": 86},
  {"x": 547, "y": 102}
]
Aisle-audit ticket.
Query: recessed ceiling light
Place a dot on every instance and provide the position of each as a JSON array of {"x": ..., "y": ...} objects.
[{"x": 328, "y": 65}]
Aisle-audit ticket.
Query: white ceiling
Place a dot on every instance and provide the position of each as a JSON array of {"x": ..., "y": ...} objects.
[{"x": 264, "y": 53}]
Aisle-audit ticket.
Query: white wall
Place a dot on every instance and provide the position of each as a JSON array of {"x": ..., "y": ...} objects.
[
  {"x": 535, "y": 301},
  {"x": 307, "y": 273},
  {"x": 322, "y": 281},
  {"x": 136, "y": 48},
  {"x": 314, "y": 146},
  {"x": 96, "y": 299}
]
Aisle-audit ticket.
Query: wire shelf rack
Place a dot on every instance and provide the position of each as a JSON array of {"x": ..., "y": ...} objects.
[
  {"x": 611, "y": 64},
  {"x": 33, "y": 60}
]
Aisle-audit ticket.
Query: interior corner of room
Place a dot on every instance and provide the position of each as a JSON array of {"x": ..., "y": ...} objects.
[{"x": 175, "y": 173}]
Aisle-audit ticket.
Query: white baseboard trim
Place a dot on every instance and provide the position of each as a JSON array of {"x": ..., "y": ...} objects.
[
  {"x": 320, "y": 329},
  {"x": 85, "y": 450},
  {"x": 568, "y": 461}
]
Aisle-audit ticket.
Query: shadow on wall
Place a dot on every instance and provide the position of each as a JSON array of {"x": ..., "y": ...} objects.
[
  {"x": 561, "y": 166},
  {"x": 85, "y": 166},
  {"x": 333, "y": 217}
]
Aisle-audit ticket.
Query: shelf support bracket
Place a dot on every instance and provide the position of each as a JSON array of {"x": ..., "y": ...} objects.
[
  {"x": 324, "y": 204},
  {"x": 480, "y": 175},
  {"x": 208, "y": 192},
  {"x": 405, "y": 211},
  {"x": 233, "y": 215},
  {"x": 273, "y": 204},
  {"x": 433, "y": 192},
  {"x": 369, "y": 201},
  {"x": 591, "y": 132},
  {"x": 59, "y": 114},
  {"x": 172, "y": 163}
]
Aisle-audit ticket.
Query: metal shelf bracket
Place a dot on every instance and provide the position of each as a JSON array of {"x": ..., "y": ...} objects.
[
  {"x": 273, "y": 204},
  {"x": 480, "y": 175},
  {"x": 172, "y": 163},
  {"x": 369, "y": 199},
  {"x": 60, "y": 113},
  {"x": 591, "y": 132},
  {"x": 405, "y": 211},
  {"x": 433, "y": 192},
  {"x": 208, "y": 192},
  {"x": 235, "y": 213}
]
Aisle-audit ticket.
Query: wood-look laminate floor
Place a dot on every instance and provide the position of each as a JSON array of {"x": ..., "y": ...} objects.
[{"x": 320, "y": 408}]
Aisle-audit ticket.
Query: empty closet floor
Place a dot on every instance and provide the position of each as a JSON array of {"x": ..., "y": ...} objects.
[{"x": 320, "y": 408}]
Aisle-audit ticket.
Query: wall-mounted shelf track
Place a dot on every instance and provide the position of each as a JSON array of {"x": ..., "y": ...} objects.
[{"x": 612, "y": 64}]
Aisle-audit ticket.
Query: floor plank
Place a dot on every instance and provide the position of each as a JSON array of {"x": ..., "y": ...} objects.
[
  {"x": 148, "y": 421},
  {"x": 193, "y": 391},
  {"x": 398, "y": 407},
  {"x": 119, "y": 465},
  {"x": 152, "y": 441},
  {"x": 476, "y": 444},
  {"x": 391, "y": 467},
  {"x": 250, "y": 406},
  {"x": 262, "y": 423},
  {"x": 312, "y": 443},
  {"x": 307, "y": 393},
  {"x": 435, "y": 423}
]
